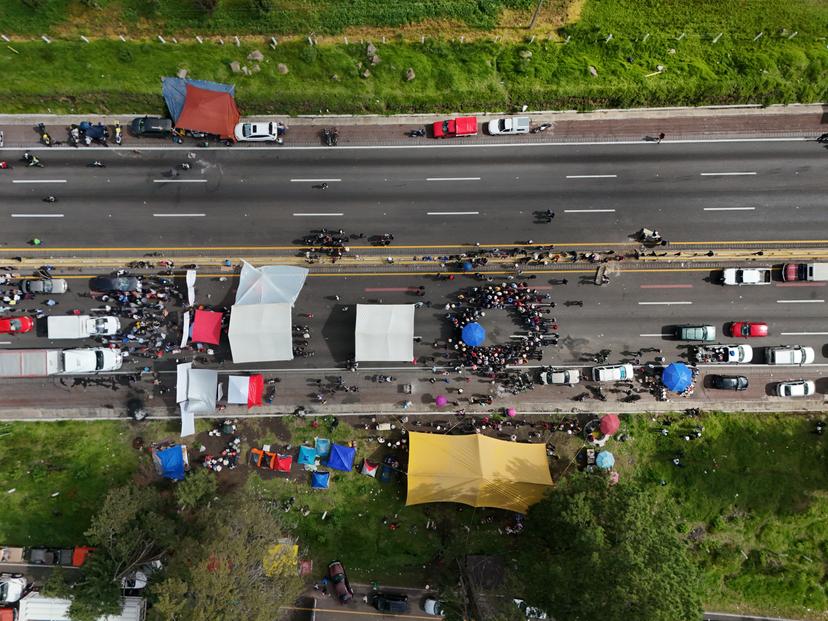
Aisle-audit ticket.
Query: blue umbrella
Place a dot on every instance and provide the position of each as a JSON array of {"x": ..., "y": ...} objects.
[
  {"x": 677, "y": 377},
  {"x": 605, "y": 460},
  {"x": 473, "y": 334},
  {"x": 468, "y": 266}
]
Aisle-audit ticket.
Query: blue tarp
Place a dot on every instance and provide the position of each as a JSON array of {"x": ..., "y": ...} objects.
[
  {"x": 605, "y": 460},
  {"x": 323, "y": 447},
  {"x": 473, "y": 334},
  {"x": 307, "y": 455},
  {"x": 170, "y": 462},
  {"x": 174, "y": 91},
  {"x": 677, "y": 377},
  {"x": 342, "y": 457},
  {"x": 319, "y": 480}
]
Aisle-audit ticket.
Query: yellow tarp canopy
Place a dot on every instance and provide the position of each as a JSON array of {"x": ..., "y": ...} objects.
[
  {"x": 476, "y": 470},
  {"x": 281, "y": 558}
]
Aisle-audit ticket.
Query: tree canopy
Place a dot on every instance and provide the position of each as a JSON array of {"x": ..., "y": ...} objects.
[{"x": 593, "y": 550}]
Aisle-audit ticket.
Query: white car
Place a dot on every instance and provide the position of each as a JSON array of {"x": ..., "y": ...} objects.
[
  {"x": 433, "y": 607},
  {"x": 567, "y": 377},
  {"x": 12, "y": 588},
  {"x": 612, "y": 373},
  {"x": 511, "y": 125},
  {"x": 260, "y": 131},
  {"x": 795, "y": 388}
]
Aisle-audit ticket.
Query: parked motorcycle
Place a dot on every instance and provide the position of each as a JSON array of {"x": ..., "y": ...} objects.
[
  {"x": 118, "y": 133},
  {"x": 541, "y": 128},
  {"x": 45, "y": 138},
  {"x": 74, "y": 135},
  {"x": 417, "y": 133}
]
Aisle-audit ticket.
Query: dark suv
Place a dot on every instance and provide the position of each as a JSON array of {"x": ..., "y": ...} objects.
[
  {"x": 152, "y": 126},
  {"x": 390, "y": 602},
  {"x": 729, "y": 382}
]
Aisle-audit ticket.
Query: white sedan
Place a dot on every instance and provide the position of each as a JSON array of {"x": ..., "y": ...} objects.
[
  {"x": 511, "y": 125},
  {"x": 796, "y": 388},
  {"x": 261, "y": 131}
]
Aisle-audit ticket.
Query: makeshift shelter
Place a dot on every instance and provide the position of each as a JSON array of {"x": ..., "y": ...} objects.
[
  {"x": 284, "y": 463},
  {"x": 605, "y": 460},
  {"x": 307, "y": 456},
  {"x": 320, "y": 480},
  {"x": 384, "y": 332},
  {"x": 261, "y": 458},
  {"x": 196, "y": 393},
  {"x": 243, "y": 389},
  {"x": 342, "y": 458},
  {"x": 174, "y": 91},
  {"x": 208, "y": 111},
  {"x": 261, "y": 333},
  {"x": 476, "y": 470},
  {"x": 369, "y": 468},
  {"x": 677, "y": 377},
  {"x": 322, "y": 446},
  {"x": 207, "y": 327},
  {"x": 36, "y": 607},
  {"x": 281, "y": 558},
  {"x": 270, "y": 284},
  {"x": 473, "y": 334},
  {"x": 610, "y": 424},
  {"x": 171, "y": 462}
]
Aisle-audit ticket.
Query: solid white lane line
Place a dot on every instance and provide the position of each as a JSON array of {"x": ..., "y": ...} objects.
[
  {"x": 314, "y": 180},
  {"x": 662, "y": 303},
  {"x": 800, "y": 301},
  {"x": 38, "y": 180},
  {"x": 179, "y": 180},
  {"x": 727, "y": 174},
  {"x": 589, "y": 210},
  {"x": 452, "y": 213},
  {"x": 319, "y": 214},
  {"x": 179, "y": 215},
  {"x": 662, "y": 334},
  {"x": 37, "y": 215},
  {"x": 729, "y": 208},
  {"x": 452, "y": 178},
  {"x": 803, "y": 333},
  {"x": 591, "y": 176},
  {"x": 5, "y": 342}
]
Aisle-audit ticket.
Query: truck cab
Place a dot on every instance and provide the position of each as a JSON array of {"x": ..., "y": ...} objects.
[
  {"x": 450, "y": 128},
  {"x": 746, "y": 276}
]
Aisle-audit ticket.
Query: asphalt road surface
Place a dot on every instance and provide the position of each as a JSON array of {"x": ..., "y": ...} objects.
[{"x": 425, "y": 197}]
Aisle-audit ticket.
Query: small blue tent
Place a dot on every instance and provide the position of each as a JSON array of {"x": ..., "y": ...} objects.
[
  {"x": 307, "y": 455},
  {"x": 342, "y": 458},
  {"x": 473, "y": 334},
  {"x": 174, "y": 91},
  {"x": 677, "y": 377},
  {"x": 323, "y": 447},
  {"x": 320, "y": 480},
  {"x": 605, "y": 460},
  {"x": 171, "y": 461}
]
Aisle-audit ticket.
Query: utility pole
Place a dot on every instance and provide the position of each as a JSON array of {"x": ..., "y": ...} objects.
[{"x": 535, "y": 15}]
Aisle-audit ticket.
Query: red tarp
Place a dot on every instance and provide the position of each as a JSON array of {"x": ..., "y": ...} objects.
[
  {"x": 207, "y": 327},
  {"x": 254, "y": 390},
  {"x": 283, "y": 463},
  {"x": 79, "y": 555},
  {"x": 610, "y": 424},
  {"x": 209, "y": 111}
]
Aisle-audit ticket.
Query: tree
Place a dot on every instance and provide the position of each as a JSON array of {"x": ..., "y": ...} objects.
[
  {"x": 219, "y": 573},
  {"x": 593, "y": 550},
  {"x": 199, "y": 486},
  {"x": 262, "y": 8},
  {"x": 206, "y": 6}
]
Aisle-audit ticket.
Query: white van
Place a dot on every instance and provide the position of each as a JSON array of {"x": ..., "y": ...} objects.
[
  {"x": 789, "y": 354},
  {"x": 612, "y": 373},
  {"x": 81, "y": 326}
]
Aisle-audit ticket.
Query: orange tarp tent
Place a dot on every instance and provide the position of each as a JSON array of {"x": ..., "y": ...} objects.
[{"x": 208, "y": 111}]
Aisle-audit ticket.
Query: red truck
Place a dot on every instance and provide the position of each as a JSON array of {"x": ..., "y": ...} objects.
[{"x": 461, "y": 126}]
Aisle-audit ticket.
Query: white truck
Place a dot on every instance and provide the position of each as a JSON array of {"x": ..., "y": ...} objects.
[
  {"x": 805, "y": 271},
  {"x": 746, "y": 276},
  {"x": 45, "y": 362},
  {"x": 708, "y": 354},
  {"x": 81, "y": 326},
  {"x": 789, "y": 354}
]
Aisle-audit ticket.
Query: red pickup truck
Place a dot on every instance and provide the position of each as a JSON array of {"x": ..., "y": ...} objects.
[{"x": 461, "y": 126}]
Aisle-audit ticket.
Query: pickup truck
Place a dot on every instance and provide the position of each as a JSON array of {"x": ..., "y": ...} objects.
[
  {"x": 45, "y": 362},
  {"x": 746, "y": 276},
  {"x": 696, "y": 333},
  {"x": 789, "y": 354},
  {"x": 81, "y": 326},
  {"x": 461, "y": 126},
  {"x": 722, "y": 353}
]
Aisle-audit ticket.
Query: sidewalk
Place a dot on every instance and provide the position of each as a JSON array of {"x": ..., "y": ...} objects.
[{"x": 568, "y": 127}]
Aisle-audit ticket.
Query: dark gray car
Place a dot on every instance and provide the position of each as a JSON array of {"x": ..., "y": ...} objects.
[
  {"x": 152, "y": 126},
  {"x": 115, "y": 283},
  {"x": 729, "y": 382}
]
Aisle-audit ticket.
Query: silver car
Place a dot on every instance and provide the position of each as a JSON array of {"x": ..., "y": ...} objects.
[
  {"x": 510, "y": 125},
  {"x": 45, "y": 285}
]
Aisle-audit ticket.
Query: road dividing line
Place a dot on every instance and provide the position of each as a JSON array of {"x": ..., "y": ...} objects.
[
  {"x": 800, "y": 301},
  {"x": 729, "y": 208},
  {"x": 663, "y": 303},
  {"x": 589, "y": 210},
  {"x": 452, "y": 178},
  {"x": 727, "y": 174},
  {"x": 666, "y": 286},
  {"x": 315, "y": 180},
  {"x": 452, "y": 213},
  {"x": 803, "y": 333},
  {"x": 299, "y": 215},
  {"x": 179, "y": 180},
  {"x": 658, "y": 334},
  {"x": 591, "y": 176},
  {"x": 38, "y": 180},
  {"x": 37, "y": 215},
  {"x": 179, "y": 215}
]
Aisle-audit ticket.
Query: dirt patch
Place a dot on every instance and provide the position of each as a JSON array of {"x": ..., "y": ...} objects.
[{"x": 574, "y": 10}]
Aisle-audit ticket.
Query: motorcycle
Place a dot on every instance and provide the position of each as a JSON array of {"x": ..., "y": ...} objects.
[
  {"x": 31, "y": 160},
  {"x": 74, "y": 135},
  {"x": 330, "y": 136},
  {"x": 45, "y": 138},
  {"x": 96, "y": 164},
  {"x": 4, "y": 165},
  {"x": 119, "y": 138},
  {"x": 541, "y": 128},
  {"x": 417, "y": 133}
]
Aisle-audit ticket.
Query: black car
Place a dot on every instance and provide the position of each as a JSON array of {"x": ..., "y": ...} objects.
[
  {"x": 151, "y": 126},
  {"x": 115, "y": 283},
  {"x": 390, "y": 602},
  {"x": 729, "y": 382}
]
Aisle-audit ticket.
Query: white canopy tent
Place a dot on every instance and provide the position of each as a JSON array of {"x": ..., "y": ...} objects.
[
  {"x": 384, "y": 332},
  {"x": 261, "y": 332},
  {"x": 196, "y": 392},
  {"x": 270, "y": 284}
]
